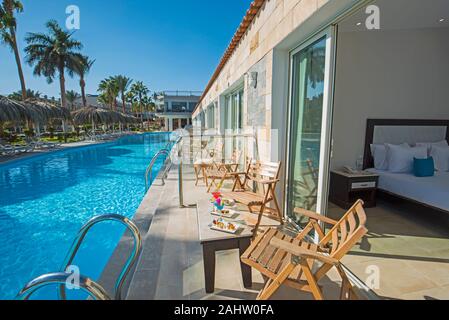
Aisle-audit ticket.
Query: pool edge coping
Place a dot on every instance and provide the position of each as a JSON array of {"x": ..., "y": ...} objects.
[{"x": 143, "y": 219}]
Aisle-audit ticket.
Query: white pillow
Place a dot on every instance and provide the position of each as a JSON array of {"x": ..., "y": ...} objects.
[
  {"x": 441, "y": 157},
  {"x": 401, "y": 159},
  {"x": 379, "y": 153},
  {"x": 429, "y": 145}
]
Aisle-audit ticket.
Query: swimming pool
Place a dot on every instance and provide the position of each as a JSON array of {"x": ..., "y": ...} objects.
[{"x": 45, "y": 200}]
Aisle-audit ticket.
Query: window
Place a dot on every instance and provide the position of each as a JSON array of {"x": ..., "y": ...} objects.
[
  {"x": 178, "y": 106},
  {"x": 192, "y": 106},
  {"x": 211, "y": 117},
  {"x": 234, "y": 110}
]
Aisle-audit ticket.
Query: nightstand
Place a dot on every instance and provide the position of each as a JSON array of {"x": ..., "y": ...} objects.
[{"x": 346, "y": 189}]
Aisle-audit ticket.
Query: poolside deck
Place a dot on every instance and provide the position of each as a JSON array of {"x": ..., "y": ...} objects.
[
  {"x": 7, "y": 159},
  {"x": 171, "y": 265}
]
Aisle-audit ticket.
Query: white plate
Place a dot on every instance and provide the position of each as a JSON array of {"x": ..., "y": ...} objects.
[
  {"x": 231, "y": 214},
  {"x": 237, "y": 228}
]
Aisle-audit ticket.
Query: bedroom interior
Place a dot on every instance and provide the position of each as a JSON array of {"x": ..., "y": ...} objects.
[{"x": 391, "y": 120}]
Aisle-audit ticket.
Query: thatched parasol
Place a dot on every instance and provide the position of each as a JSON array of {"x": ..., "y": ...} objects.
[
  {"x": 14, "y": 111},
  {"x": 91, "y": 115},
  {"x": 48, "y": 110}
]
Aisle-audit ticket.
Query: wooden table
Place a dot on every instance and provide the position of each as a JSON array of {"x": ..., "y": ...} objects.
[{"x": 214, "y": 241}]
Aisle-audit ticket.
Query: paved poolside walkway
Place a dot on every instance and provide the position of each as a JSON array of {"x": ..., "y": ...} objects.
[
  {"x": 6, "y": 159},
  {"x": 171, "y": 265}
]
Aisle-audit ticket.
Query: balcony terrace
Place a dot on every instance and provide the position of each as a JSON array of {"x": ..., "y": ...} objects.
[{"x": 171, "y": 266}]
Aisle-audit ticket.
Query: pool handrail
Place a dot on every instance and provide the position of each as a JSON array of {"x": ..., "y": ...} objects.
[
  {"x": 149, "y": 170},
  {"x": 93, "y": 289},
  {"x": 132, "y": 259}
]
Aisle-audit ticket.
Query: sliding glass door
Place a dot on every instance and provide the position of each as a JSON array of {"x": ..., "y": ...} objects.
[
  {"x": 234, "y": 111},
  {"x": 309, "y": 129},
  {"x": 233, "y": 121}
]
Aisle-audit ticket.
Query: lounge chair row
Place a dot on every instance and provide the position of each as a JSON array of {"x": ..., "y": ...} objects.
[
  {"x": 10, "y": 150},
  {"x": 103, "y": 137}
]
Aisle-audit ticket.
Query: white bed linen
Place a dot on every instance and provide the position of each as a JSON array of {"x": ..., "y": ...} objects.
[{"x": 433, "y": 191}]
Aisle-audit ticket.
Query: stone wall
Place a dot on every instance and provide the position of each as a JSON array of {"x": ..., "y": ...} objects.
[
  {"x": 256, "y": 94},
  {"x": 276, "y": 20}
]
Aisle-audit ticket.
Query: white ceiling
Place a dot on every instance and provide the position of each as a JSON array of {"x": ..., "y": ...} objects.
[{"x": 402, "y": 14}]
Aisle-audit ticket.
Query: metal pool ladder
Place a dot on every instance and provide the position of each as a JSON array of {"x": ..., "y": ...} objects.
[
  {"x": 87, "y": 285},
  {"x": 149, "y": 171}
]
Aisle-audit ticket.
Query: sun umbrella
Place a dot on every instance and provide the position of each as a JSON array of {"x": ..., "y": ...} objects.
[
  {"x": 14, "y": 111},
  {"x": 91, "y": 115},
  {"x": 48, "y": 110}
]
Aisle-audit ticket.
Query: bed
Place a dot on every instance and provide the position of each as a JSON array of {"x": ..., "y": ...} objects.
[{"x": 422, "y": 193}]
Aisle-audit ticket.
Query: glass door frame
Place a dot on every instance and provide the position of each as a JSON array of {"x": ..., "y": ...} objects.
[{"x": 326, "y": 132}]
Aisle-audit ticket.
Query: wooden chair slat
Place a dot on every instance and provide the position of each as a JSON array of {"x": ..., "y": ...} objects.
[
  {"x": 278, "y": 257},
  {"x": 352, "y": 223},
  {"x": 335, "y": 241},
  {"x": 343, "y": 231},
  {"x": 263, "y": 171},
  {"x": 297, "y": 273},
  {"x": 253, "y": 246},
  {"x": 263, "y": 244},
  {"x": 271, "y": 164},
  {"x": 361, "y": 214},
  {"x": 270, "y": 251}
]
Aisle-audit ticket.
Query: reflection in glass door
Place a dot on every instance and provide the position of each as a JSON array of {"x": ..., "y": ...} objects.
[{"x": 308, "y": 121}]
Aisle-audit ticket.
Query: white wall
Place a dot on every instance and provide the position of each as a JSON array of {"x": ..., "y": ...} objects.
[{"x": 387, "y": 74}]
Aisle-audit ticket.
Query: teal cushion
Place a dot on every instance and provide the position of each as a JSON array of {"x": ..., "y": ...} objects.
[{"x": 424, "y": 167}]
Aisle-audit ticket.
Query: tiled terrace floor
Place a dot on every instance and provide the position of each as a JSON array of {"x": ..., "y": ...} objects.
[
  {"x": 171, "y": 265},
  {"x": 410, "y": 250}
]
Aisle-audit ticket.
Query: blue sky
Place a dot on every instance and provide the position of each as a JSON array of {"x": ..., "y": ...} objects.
[{"x": 169, "y": 45}]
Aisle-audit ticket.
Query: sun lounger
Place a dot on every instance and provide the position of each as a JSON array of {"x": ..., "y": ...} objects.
[
  {"x": 10, "y": 150},
  {"x": 6, "y": 150}
]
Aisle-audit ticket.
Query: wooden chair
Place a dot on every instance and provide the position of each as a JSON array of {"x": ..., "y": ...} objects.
[
  {"x": 264, "y": 175},
  {"x": 207, "y": 159},
  {"x": 290, "y": 261},
  {"x": 222, "y": 171}
]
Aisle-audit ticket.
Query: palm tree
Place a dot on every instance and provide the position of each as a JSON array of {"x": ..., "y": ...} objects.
[
  {"x": 138, "y": 94},
  {"x": 123, "y": 84},
  {"x": 8, "y": 28},
  {"x": 30, "y": 94},
  {"x": 53, "y": 52},
  {"x": 82, "y": 68},
  {"x": 71, "y": 97},
  {"x": 109, "y": 91}
]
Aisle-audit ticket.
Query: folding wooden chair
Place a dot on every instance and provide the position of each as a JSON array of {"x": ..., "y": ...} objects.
[
  {"x": 301, "y": 264},
  {"x": 222, "y": 171},
  {"x": 207, "y": 159},
  {"x": 264, "y": 175}
]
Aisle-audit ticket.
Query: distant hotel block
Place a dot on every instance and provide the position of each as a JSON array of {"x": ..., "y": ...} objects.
[{"x": 175, "y": 108}]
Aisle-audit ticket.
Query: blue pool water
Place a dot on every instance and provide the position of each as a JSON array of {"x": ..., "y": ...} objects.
[{"x": 45, "y": 200}]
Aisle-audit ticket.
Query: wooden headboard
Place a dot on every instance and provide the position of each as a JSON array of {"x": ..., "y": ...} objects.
[{"x": 411, "y": 131}]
